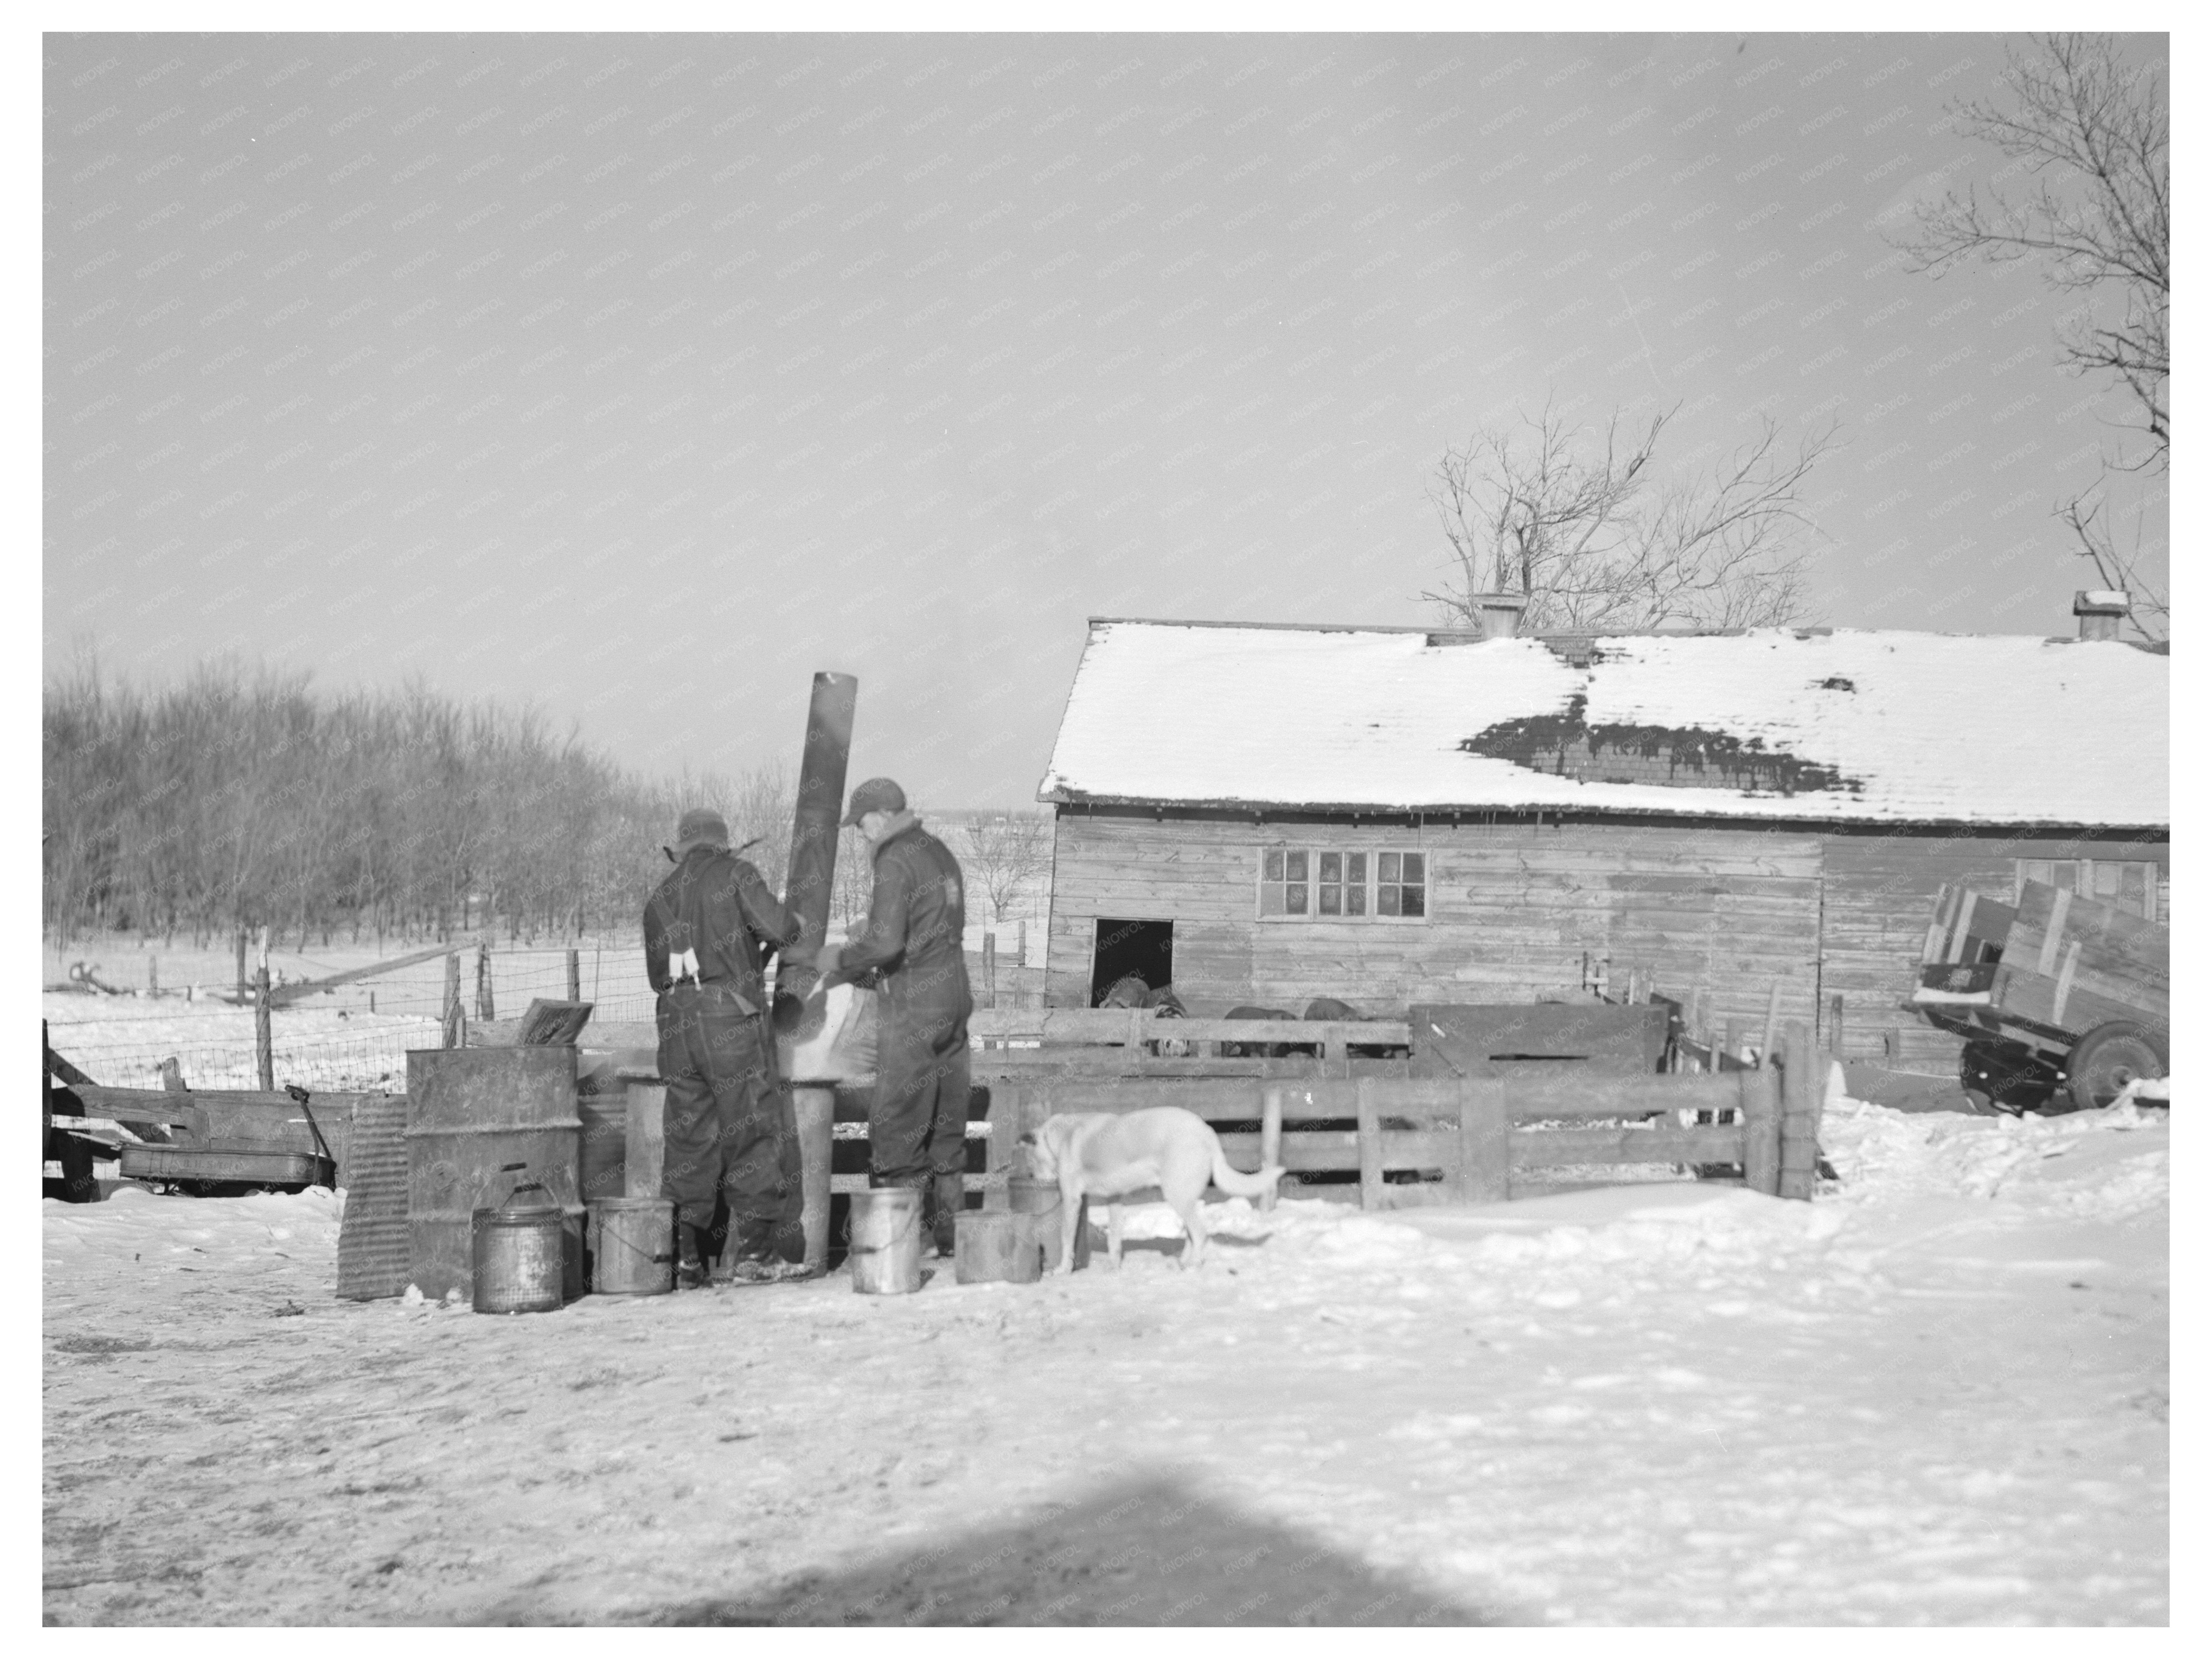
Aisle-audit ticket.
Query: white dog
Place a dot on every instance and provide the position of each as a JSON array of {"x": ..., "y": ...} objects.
[{"x": 1110, "y": 1155}]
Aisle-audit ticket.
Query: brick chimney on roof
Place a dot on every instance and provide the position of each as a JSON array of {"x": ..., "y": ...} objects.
[
  {"x": 2101, "y": 610},
  {"x": 1499, "y": 613}
]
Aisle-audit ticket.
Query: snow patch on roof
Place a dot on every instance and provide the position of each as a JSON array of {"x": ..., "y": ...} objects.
[{"x": 1876, "y": 726}]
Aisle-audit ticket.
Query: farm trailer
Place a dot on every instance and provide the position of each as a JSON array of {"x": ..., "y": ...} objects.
[{"x": 2061, "y": 996}]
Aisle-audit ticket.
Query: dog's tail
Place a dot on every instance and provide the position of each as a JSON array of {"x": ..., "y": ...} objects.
[{"x": 1237, "y": 1184}]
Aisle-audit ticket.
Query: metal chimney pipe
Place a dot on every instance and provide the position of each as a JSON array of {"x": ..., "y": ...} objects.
[
  {"x": 814, "y": 817},
  {"x": 2101, "y": 610}
]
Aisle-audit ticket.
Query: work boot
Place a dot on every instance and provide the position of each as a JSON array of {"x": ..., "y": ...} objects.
[
  {"x": 946, "y": 1192},
  {"x": 752, "y": 1240},
  {"x": 691, "y": 1257}
]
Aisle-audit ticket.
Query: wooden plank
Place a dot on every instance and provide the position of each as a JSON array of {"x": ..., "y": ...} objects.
[
  {"x": 1800, "y": 1152},
  {"x": 1545, "y": 1094},
  {"x": 1271, "y": 1138},
  {"x": 284, "y": 994},
  {"x": 644, "y": 1146},
  {"x": 1371, "y": 1148},
  {"x": 2115, "y": 941},
  {"x": 1005, "y": 1126},
  {"x": 1766, "y": 1030},
  {"x": 2031, "y": 997},
  {"x": 1537, "y": 1149},
  {"x": 2054, "y": 930},
  {"x": 1759, "y": 1109},
  {"x": 2060, "y": 992},
  {"x": 1483, "y": 1175}
]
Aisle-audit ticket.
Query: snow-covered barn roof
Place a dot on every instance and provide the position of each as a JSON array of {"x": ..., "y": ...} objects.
[{"x": 1849, "y": 726}]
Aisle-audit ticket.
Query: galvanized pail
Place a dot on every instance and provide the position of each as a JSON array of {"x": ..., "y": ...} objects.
[
  {"x": 999, "y": 1246},
  {"x": 633, "y": 1246},
  {"x": 885, "y": 1249}
]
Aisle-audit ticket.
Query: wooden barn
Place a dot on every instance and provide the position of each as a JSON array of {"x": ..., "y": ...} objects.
[{"x": 1263, "y": 813}]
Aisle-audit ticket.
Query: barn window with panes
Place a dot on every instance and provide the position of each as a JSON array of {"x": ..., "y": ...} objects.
[
  {"x": 1311, "y": 882},
  {"x": 1401, "y": 884},
  {"x": 1284, "y": 888},
  {"x": 2127, "y": 883}
]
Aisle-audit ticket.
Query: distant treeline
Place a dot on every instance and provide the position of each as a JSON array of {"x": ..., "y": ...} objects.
[{"x": 241, "y": 799}]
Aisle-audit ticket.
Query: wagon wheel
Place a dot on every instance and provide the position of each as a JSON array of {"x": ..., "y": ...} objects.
[{"x": 2108, "y": 1058}]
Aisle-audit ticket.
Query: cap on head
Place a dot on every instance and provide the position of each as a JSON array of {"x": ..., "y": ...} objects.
[
  {"x": 698, "y": 828},
  {"x": 876, "y": 795}
]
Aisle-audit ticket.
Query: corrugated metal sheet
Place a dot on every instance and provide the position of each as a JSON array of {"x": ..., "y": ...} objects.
[
  {"x": 1846, "y": 727},
  {"x": 373, "y": 1232}
]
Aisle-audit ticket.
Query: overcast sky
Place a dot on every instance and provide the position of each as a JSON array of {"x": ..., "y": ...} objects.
[{"x": 640, "y": 378}]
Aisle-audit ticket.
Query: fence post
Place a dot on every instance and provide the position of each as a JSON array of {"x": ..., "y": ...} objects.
[
  {"x": 242, "y": 964},
  {"x": 1759, "y": 1107},
  {"x": 990, "y": 970},
  {"x": 484, "y": 979},
  {"x": 451, "y": 1037},
  {"x": 1836, "y": 1025},
  {"x": 153, "y": 975},
  {"x": 1766, "y": 1032},
  {"x": 1271, "y": 1137},
  {"x": 1484, "y": 1152},
  {"x": 576, "y": 976},
  {"x": 1800, "y": 1102},
  {"x": 1022, "y": 943},
  {"x": 264, "y": 1045},
  {"x": 1371, "y": 1147}
]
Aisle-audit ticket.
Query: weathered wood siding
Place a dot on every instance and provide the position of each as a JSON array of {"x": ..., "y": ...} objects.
[
  {"x": 1878, "y": 893},
  {"x": 1514, "y": 904},
  {"x": 1512, "y": 908}
]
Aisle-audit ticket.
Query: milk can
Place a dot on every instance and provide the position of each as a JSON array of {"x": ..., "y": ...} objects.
[{"x": 517, "y": 1251}]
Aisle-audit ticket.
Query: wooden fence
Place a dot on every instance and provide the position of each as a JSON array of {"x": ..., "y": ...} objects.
[{"x": 1467, "y": 1139}]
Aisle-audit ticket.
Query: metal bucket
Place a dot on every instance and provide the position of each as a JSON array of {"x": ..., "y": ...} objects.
[
  {"x": 633, "y": 1246},
  {"x": 518, "y": 1259},
  {"x": 1000, "y": 1246},
  {"x": 1040, "y": 1200},
  {"x": 884, "y": 1249},
  {"x": 471, "y": 1113}
]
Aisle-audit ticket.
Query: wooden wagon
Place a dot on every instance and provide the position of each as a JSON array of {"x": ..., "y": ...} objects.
[{"x": 2062, "y": 998}]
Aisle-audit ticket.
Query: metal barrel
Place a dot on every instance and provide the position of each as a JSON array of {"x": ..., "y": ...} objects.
[
  {"x": 633, "y": 1246},
  {"x": 820, "y": 804},
  {"x": 471, "y": 1114}
]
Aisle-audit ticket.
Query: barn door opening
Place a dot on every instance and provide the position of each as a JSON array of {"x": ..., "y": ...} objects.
[{"x": 1122, "y": 947}]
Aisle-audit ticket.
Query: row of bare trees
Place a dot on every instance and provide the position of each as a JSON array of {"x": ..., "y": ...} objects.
[{"x": 240, "y": 799}]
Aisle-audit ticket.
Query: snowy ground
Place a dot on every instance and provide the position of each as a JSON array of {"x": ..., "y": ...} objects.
[{"x": 1936, "y": 1395}]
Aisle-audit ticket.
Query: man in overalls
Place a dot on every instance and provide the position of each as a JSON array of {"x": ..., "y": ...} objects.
[
  {"x": 728, "y": 1129},
  {"x": 918, "y": 1124}
]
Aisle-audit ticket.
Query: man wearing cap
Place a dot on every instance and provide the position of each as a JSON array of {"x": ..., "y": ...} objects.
[
  {"x": 728, "y": 1129},
  {"x": 917, "y": 1126}
]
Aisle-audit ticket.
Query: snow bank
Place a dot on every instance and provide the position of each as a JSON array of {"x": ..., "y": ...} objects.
[
  {"x": 223, "y": 1232},
  {"x": 2107, "y": 1165}
]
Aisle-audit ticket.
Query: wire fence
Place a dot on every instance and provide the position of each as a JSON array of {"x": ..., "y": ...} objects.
[{"x": 353, "y": 1037}]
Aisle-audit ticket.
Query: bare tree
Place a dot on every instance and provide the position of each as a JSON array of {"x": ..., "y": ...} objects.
[
  {"x": 1006, "y": 851},
  {"x": 2090, "y": 132},
  {"x": 1579, "y": 522}
]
